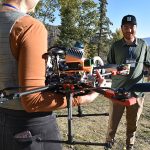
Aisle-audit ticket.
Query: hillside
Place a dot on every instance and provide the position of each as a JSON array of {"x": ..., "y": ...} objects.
[{"x": 147, "y": 40}]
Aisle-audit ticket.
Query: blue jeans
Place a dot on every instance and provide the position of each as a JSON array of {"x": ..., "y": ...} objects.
[{"x": 20, "y": 130}]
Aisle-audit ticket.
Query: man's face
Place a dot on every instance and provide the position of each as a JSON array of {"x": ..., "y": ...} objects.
[{"x": 129, "y": 31}]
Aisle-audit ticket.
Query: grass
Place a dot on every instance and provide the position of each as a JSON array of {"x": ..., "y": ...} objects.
[{"x": 93, "y": 128}]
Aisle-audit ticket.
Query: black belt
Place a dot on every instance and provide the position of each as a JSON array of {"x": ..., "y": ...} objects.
[{"x": 22, "y": 113}]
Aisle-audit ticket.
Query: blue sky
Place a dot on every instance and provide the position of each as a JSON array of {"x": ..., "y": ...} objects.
[{"x": 116, "y": 9}]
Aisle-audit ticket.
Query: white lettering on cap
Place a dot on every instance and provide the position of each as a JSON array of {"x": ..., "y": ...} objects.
[{"x": 128, "y": 18}]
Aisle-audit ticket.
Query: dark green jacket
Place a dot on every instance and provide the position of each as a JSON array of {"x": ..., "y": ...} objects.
[{"x": 118, "y": 54}]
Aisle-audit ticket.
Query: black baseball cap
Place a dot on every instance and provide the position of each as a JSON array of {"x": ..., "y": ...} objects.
[{"x": 129, "y": 19}]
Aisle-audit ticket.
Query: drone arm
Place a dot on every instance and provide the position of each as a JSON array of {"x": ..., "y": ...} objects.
[{"x": 110, "y": 94}]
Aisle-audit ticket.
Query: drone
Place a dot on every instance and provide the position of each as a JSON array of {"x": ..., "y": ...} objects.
[
  {"x": 70, "y": 73},
  {"x": 71, "y": 70}
]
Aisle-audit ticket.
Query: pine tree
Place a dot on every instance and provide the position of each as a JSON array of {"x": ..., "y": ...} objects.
[
  {"x": 104, "y": 33},
  {"x": 79, "y": 21},
  {"x": 117, "y": 35},
  {"x": 45, "y": 11}
]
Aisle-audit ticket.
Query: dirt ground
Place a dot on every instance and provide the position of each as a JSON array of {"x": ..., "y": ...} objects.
[{"x": 93, "y": 128}]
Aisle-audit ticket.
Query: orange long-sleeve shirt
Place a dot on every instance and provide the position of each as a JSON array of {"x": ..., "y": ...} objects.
[{"x": 28, "y": 40}]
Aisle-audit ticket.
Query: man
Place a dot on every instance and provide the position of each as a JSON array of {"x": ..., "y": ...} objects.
[
  {"x": 23, "y": 42},
  {"x": 134, "y": 51}
]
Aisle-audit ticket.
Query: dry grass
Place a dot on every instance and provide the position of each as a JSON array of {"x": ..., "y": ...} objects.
[{"x": 93, "y": 128}]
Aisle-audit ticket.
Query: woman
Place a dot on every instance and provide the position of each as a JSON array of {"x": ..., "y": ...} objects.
[{"x": 23, "y": 41}]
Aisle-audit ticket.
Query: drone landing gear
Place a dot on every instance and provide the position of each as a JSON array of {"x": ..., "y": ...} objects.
[{"x": 70, "y": 116}]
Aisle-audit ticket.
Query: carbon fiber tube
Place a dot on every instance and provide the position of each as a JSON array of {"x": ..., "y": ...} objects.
[{"x": 140, "y": 87}]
